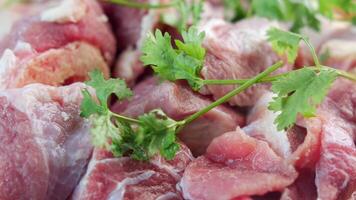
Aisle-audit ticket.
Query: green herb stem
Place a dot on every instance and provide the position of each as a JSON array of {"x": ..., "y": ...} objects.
[
  {"x": 341, "y": 73},
  {"x": 134, "y": 4},
  {"x": 312, "y": 51},
  {"x": 240, "y": 81},
  {"x": 121, "y": 117},
  {"x": 234, "y": 92}
]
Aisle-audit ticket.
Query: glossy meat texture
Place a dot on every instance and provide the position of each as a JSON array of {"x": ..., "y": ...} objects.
[
  {"x": 260, "y": 125},
  {"x": 336, "y": 168},
  {"x": 58, "y": 43},
  {"x": 178, "y": 102},
  {"x": 122, "y": 178},
  {"x": 131, "y": 27},
  {"x": 238, "y": 51},
  {"x": 236, "y": 165},
  {"x": 334, "y": 45},
  {"x": 56, "y": 67},
  {"x": 45, "y": 144}
]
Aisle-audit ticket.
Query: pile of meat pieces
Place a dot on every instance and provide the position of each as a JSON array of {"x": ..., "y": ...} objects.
[{"x": 232, "y": 152}]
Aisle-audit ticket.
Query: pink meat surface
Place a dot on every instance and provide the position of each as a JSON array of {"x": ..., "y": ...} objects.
[
  {"x": 238, "y": 51},
  {"x": 303, "y": 188},
  {"x": 236, "y": 165},
  {"x": 55, "y": 67},
  {"x": 260, "y": 125},
  {"x": 48, "y": 29},
  {"x": 336, "y": 168},
  {"x": 333, "y": 37},
  {"x": 45, "y": 144},
  {"x": 131, "y": 27},
  {"x": 178, "y": 102},
  {"x": 111, "y": 178}
]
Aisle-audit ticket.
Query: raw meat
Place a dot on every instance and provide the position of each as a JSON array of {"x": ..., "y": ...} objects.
[
  {"x": 260, "y": 125},
  {"x": 236, "y": 165},
  {"x": 178, "y": 102},
  {"x": 238, "y": 51},
  {"x": 45, "y": 144},
  {"x": 57, "y": 45},
  {"x": 334, "y": 41},
  {"x": 131, "y": 27},
  {"x": 111, "y": 178},
  {"x": 65, "y": 65},
  {"x": 336, "y": 168}
]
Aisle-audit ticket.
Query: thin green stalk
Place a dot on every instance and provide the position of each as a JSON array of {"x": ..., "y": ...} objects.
[
  {"x": 127, "y": 119},
  {"x": 312, "y": 51},
  {"x": 240, "y": 81},
  {"x": 341, "y": 73},
  {"x": 234, "y": 92},
  {"x": 134, "y": 4}
]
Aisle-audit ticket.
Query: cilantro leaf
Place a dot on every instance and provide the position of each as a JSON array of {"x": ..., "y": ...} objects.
[
  {"x": 104, "y": 88},
  {"x": 157, "y": 133},
  {"x": 300, "y": 92},
  {"x": 192, "y": 45},
  {"x": 284, "y": 42},
  {"x": 157, "y": 50},
  {"x": 183, "y": 63},
  {"x": 103, "y": 131},
  {"x": 89, "y": 106}
]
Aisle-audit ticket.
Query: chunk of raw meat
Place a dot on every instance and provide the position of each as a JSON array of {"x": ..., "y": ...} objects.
[
  {"x": 110, "y": 178},
  {"x": 260, "y": 125},
  {"x": 65, "y": 65},
  {"x": 336, "y": 168},
  {"x": 131, "y": 27},
  {"x": 236, "y": 165},
  {"x": 340, "y": 54},
  {"x": 45, "y": 144},
  {"x": 57, "y": 27},
  {"x": 238, "y": 51},
  {"x": 303, "y": 188},
  {"x": 178, "y": 102},
  {"x": 332, "y": 36},
  {"x": 57, "y": 45}
]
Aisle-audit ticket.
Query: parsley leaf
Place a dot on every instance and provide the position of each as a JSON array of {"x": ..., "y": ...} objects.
[
  {"x": 183, "y": 63},
  {"x": 284, "y": 42},
  {"x": 300, "y": 92}
]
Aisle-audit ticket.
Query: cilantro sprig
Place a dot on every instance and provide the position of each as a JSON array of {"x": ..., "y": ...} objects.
[
  {"x": 299, "y": 91},
  {"x": 299, "y": 13},
  {"x": 151, "y": 133},
  {"x": 182, "y": 63},
  {"x": 140, "y": 138}
]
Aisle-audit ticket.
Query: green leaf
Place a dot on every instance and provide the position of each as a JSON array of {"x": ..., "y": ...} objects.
[
  {"x": 89, "y": 106},
  {"x": 171, "y": 64},
  {"x": 103, "y": 131},
  {"x": 299, "y": 92},
  {"x": 271, "y": 9},
  {"x": 192, "y": 45},
  {"x": 104, "y": 88},
  {"x": 284, "y": 42},
  {"x": 157, "y": 50},
  {"x": 156, "y": 134}
]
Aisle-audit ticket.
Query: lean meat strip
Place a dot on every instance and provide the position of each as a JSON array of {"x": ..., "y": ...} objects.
[
  {"x": 238, "y": 51},
  {"x": 57, "y": 45},
  {"x": 45, "y": 144},
  {"x": 236, "y": 165},
  {"x": 110, "y": 178},
  {"x": 178, "y": 102}
]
